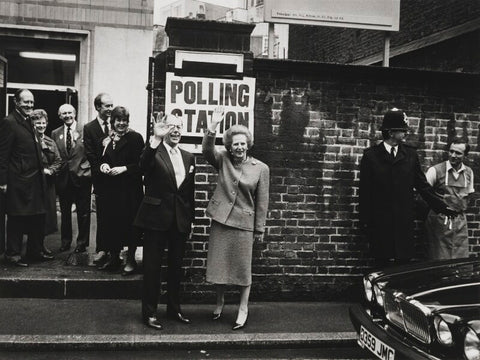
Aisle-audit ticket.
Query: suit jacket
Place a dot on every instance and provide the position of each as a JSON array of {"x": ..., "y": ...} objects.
[
  {"x": 163, "y": 204},
  {"x": 76, "y": 166},
  {"x": 21, "y": 167},
  {"x": 241, "y": 197},
  {"x": 387, "y": 199},
  {"x": 93, "y": 136}
]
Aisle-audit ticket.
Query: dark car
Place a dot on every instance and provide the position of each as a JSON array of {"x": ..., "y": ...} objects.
[{"x": 427, "y": 310}]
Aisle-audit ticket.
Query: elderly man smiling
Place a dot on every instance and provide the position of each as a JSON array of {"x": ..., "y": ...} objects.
[{"x": 73, "y": 180}]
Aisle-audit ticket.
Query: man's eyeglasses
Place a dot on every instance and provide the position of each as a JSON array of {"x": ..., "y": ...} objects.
[{"x": 172, "y": 126}]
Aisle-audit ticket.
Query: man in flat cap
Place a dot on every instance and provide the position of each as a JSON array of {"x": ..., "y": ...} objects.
[{"x": 389, "y": 172}]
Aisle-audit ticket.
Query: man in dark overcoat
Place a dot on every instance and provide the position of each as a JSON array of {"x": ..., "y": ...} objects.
[
  {"x": 74, "y": 182},
  {"x": 389, "y": 173},
  {"x": 166, "y": 214},
  {"x": 94, "y": 132},
  {"x": 23, "y": 181}
]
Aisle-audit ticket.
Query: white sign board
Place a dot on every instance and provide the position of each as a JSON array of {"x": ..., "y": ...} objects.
[
  {"x": 195, "y": 98},
  {"x": 360, "y": 14}
]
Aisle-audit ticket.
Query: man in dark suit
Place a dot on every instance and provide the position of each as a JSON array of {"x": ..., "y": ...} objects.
[
  {"x": 23, "y": 182},
  {"x": 166, "y": 214},
  {"x": 73, "y": 179},
  {"x": 389, "y": 172},
  {"x": 93, "y": 135}
]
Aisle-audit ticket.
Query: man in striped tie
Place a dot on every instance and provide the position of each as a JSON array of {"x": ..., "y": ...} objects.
[{"x": 73, "y": 180}]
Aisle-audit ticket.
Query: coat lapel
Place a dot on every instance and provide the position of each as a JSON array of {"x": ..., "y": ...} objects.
[
  {"x": 23, "y": 122},
  {"x": 61, "y": 143},
  {"x": 400, "y": 154},
  {"x": 97, "y": 129},
  {"x": 121, "y": 143}
]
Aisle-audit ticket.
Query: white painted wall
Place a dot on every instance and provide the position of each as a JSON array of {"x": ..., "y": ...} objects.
[{"x": 120, "y": 68}]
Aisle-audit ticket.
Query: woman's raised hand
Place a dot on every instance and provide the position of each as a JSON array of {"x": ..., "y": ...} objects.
[{"x": 217, "y": 117}]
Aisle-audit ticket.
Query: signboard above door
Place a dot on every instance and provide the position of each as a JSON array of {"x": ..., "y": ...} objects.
[{"x": 361, "y": 14}]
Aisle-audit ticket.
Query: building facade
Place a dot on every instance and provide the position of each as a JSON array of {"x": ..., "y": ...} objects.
[
  {"x": 434, "y": 35},
  {"x": 69, "y": 51}
]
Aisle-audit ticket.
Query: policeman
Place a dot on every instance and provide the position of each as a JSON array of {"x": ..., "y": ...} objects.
[{"x": 389, "y": 173}]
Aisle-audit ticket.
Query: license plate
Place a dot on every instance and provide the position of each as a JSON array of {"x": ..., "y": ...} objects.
[{"x": 375, "y": 345}]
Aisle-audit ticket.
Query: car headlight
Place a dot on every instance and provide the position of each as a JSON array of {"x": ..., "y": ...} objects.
[
  {"x": 367, "y": 286},
  {"x": 471, "y": 345},
  {"x": 378, "y": 295},
  {"x": 444, "y": 335}
]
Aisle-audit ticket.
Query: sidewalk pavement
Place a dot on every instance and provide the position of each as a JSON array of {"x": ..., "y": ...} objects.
[
  {"x": 54, "y": 306},
  {"x": 55, "y": 324}
]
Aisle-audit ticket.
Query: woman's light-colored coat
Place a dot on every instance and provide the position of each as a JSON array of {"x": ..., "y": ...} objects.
[{"x": 240, "y": 199}]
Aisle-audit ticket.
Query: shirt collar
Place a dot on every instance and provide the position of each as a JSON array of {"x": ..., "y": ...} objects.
[
  {"x": 100, "y": 121},
  {"x": 449, "y": 166},
  {"x": 389, "y": 147},
  {"x": 72, "y": 127},
  {"x": 19, "y": 113},
  {"x": 168, "y": 147}
]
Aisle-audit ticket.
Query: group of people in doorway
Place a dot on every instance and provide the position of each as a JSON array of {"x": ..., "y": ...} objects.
[{"x": 144, "y": 196}]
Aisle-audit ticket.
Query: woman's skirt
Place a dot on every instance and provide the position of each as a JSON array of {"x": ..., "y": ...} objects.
[{"x": 229, "y": 259}]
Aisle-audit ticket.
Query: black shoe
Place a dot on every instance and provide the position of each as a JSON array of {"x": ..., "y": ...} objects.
[
  {"x": 80, "y": 249},
  {"x": 129, "y": 268},
  {"x": 64, "y": 248},
  {"x": 46, "y": 251},
  {"x": 100, "y": 258},
  {"x": 216, "y": 316},
  {"x": 111, "y": 265},
  {"x": 178, "y": 316},
  {"x": 238, "y": 326},
  {"x": 18, "y": 263},
  {"x": 153, "y": 322},
  {"x": 45, "y": 257}
]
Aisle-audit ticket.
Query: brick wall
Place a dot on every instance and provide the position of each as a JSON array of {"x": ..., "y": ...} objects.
[
  {"x": 418, "y": 19},
  {"x": 312, "y": 123}
]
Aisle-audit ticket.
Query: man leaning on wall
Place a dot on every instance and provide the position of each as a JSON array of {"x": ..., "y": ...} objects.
[{"x": 453, "y": 181}]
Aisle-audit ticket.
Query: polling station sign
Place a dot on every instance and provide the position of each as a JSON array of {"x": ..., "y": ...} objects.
[{"x": 195, "y": 98}]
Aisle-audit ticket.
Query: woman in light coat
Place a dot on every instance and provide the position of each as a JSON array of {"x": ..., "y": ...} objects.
[
  {"x": 52, "y": 162},
  {"x": 238, "y": 210}
]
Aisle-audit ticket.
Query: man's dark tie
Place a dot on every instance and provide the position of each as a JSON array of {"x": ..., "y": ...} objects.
[
  {"x": 392, "y": 153},
  {"x": 105, "y": 127},
  {"x": 69, "y": 139}
]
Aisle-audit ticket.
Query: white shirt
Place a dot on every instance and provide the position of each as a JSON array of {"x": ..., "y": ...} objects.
[
  {"x": 72, "y": 130},
  {"x": 177, "y": 163},
  {"x": 389, "y": 147},
  {"x": 431, "y": 175}
]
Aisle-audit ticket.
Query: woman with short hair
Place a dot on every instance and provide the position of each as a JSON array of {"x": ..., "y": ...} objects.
[
  {"x": 238, "y": 209},
  {"x": 52, "y": 162},
  {"x": 123, "y": 189}
]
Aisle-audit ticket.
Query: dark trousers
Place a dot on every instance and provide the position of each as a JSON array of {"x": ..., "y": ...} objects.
[
  {"x": 102, "y": 232},
  {"x": 33, "y": 226},
  {"x": 81, "y": 196},
  {"x": 154, "y": 244}
]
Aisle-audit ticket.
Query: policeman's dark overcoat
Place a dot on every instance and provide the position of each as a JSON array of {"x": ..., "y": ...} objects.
[{"x": 387, "y": 199}]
